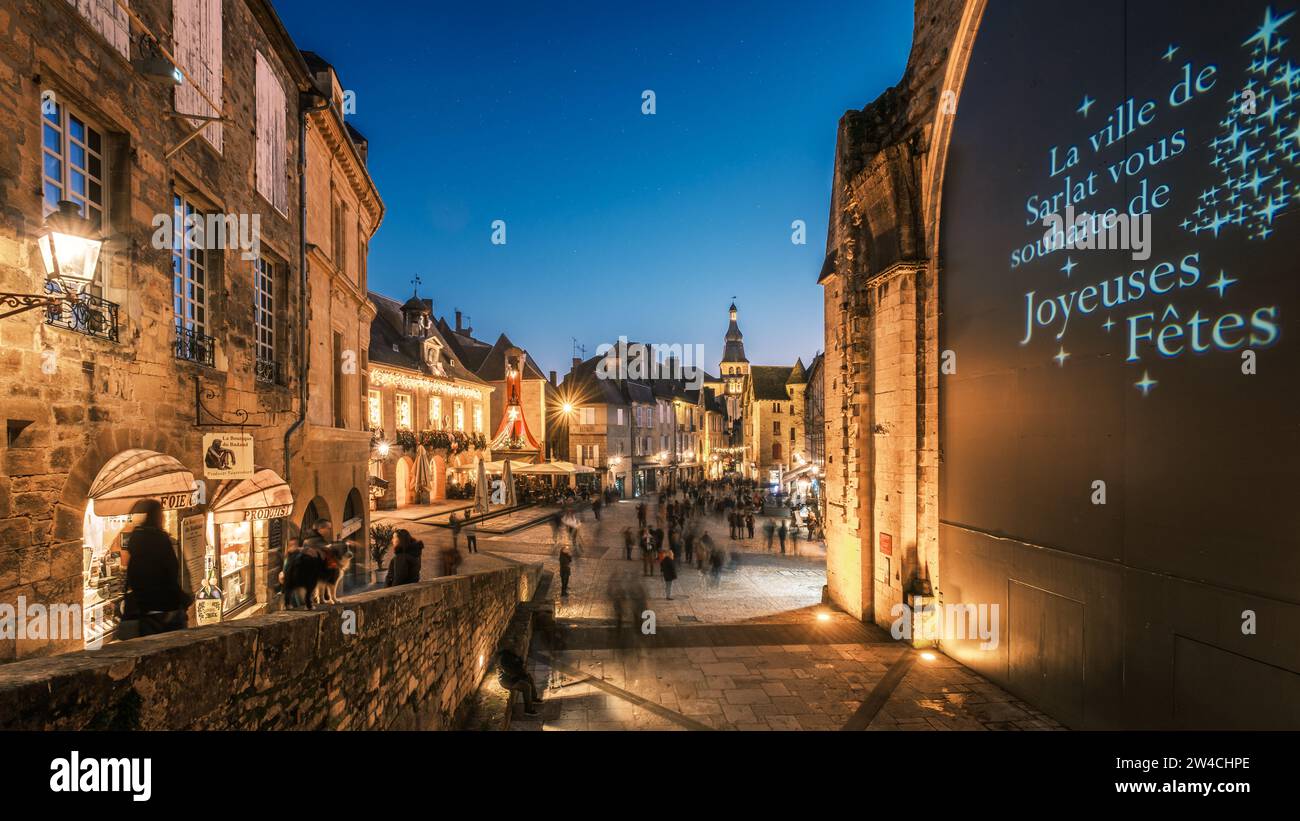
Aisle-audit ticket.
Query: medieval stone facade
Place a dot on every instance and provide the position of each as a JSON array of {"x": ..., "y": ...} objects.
[
  {"x": 881, "y": 309},
  {"x": 188, "y": 333}
]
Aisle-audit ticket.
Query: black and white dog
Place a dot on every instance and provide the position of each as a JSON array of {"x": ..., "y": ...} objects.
[{"x": 312, "y": 575}]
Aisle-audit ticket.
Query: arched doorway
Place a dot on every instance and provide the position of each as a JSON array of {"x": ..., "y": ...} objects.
[
  {"x": 316, "y": 509},
  {"x": 405, "y": 492},
  {"x": 355, "y": 508}
]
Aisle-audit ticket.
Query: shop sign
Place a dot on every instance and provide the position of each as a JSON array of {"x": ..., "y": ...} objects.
[
  {"x": 263, "y": 514},
  {"x": 177, "y": 501},
  {"x": 228, "y": 456}
]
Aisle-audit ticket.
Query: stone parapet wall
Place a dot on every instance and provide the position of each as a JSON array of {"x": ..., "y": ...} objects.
[{"x": 404, "y": 658}]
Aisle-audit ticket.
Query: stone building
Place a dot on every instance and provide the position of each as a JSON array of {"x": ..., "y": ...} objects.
[
  {"x": 732, "y": 370},
  {"x": 965, "y": 468},
  {"x": 526, "y": 441},
  {"x": 773, "y": 421},
  {"x": 600, "y": 425},
  {"x": 330, "y": 479},
  {"x": 422, "y": 404},
  {"x": 180, "y": 332}
]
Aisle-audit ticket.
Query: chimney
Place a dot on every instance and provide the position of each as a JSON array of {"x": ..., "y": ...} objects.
[
  {"x": 576, "y": 362},
  {"x": 554, "y": 384},
  {"x": 458, "y": 320}
]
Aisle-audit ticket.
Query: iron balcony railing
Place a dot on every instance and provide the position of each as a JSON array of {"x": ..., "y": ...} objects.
[
  {"x": 88, "y": 315},
  {"x": 267, "y": 371},
  {"x": 193, "y": 346}
]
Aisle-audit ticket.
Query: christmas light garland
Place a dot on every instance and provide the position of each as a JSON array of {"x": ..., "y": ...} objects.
[{"x": 382, "y": 378}]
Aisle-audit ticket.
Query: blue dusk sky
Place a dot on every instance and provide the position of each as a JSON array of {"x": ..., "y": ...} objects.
[{"x": 617, "y": 223}]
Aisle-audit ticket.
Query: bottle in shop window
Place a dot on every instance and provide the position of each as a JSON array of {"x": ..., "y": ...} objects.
[{"x": 207, "y": 603}]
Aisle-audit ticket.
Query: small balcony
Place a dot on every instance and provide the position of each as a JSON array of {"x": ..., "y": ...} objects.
[
  {"x": 89, "y": 315},
  {"x": 267, "y": 371},
  {"x": 194, "y": 346}
]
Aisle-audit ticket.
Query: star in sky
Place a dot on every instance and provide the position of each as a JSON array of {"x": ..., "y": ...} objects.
[
  {"x": 1061, "y": 357},
  {"x": 1146, "y": 384},
  {"x": 1221, "y": 284},
  {"x": 1256, "y": 181},
  {"x": 1274, "y": 205},
  {"x": 1069, "y": 266},
  {"x": 1085, "y": 105}
]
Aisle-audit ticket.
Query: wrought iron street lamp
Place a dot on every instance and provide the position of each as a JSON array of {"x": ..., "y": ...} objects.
[{"x": 70, "y": 251}]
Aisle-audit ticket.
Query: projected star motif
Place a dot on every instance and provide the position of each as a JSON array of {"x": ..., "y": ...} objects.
[
  {"x": 1264, "y": 34},
  {"x": 1170, "y": 52},
  {"x": 1108, "y": 324},
  {"x": 1146, "y": 384},
  {"x": 1069, "y": 266},
  {"x": 1252, "y": 145},
  {"x": 1085, "y": 105},
  {"x": 1061, "y": 357},
  {"x": 1221, "y": 284}
]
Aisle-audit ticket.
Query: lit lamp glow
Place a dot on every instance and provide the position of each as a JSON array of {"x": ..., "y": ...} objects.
[
  {"x": 382, "y": 450},
  {"x": 69, "y": 249}
]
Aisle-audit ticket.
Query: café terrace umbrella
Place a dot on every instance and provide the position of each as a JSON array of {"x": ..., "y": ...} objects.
[
  {"x": 508, "y": 479},
  {"x": 481, "y": 489},
  {"x": 420, "y": 480}
]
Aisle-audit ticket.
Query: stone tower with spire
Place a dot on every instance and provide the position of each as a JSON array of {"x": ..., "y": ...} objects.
[{"x": 734, "y": 369}]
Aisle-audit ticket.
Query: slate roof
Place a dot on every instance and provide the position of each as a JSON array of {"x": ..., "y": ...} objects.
[
  {"x": 769, "y": 381},
  {"x": 387, "y": 332}
]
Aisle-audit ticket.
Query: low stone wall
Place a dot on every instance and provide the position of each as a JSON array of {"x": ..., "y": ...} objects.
[{"x": 404, "y": 658}]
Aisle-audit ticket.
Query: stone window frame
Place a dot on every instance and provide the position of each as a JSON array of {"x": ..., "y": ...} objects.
[
  {"x": 61, "y": 127},
  {"x": 182, "y": 207},
  {"x": 266, "y": 274},
  {"x": 375, "y": 409},
  {"x": 398, "y": 422}
]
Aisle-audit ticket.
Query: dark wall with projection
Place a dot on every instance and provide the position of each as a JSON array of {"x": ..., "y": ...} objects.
[{"x": 1164, "y": 375}]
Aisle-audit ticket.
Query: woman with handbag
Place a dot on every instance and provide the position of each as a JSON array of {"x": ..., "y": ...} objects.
[{"x": 154, "y": 601}]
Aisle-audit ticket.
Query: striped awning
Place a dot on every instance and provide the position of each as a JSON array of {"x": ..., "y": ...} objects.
[
  {"x": 135, "y": 475},
  {"x": 262, "y": 496}
]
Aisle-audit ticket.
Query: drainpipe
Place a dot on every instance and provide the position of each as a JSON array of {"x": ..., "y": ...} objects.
[{"x": 304, "y": 358}]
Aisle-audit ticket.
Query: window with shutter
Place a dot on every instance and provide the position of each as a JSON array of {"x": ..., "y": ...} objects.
[
  {"x": 110, "y": 20},
  {"x": 272, "y": 158},
  {"x": 197, "y": 35}
]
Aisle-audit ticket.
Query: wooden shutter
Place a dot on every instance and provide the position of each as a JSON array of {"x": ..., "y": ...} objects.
[
  {"x": 197, "y": 35},
  {"x": 110, "y": 20},
  {"x": 272, "y": 183}
]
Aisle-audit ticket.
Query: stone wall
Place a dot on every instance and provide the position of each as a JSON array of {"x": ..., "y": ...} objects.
[
  {"x": 880, "y": 281},
  {"x": 418, "y": 651}
]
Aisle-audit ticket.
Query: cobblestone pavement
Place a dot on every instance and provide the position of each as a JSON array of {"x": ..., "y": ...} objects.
[{"x": 755, "y": 653}]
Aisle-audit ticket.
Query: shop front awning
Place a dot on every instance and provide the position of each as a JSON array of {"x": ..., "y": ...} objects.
[
  {"x": 135, "y": 475},
  {"x": 260, "y": 497}
]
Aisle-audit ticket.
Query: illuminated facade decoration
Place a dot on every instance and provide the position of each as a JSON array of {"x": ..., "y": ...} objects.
[
  {"x": 421, "y": 394},
  {"x": 513, "y": 434}
]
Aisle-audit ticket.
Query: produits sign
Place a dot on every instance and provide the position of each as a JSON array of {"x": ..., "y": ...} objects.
[{"x": 228, "y": 456}]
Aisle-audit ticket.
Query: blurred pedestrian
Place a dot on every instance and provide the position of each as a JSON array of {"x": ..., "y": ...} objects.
[
  {"x": 566, "y": 567},
  {"x": 668, "y": 569}
]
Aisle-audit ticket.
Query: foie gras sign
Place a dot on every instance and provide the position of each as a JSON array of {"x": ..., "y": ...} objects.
[{"x": 228, "y": 456}]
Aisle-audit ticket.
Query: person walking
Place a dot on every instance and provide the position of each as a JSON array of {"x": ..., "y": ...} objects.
[
  {"x": 455, "y": 530},
  {"x": 471, "y": 539},
  {"x": 668, "y": 569},
  {"x": 769, "y": 530},
  {"x": 782, "y": 534},
  {"x": 595, "y": 508},
  {"x": 566, "y": 567},
  {"x": 629, "y": 541},
  {"x": 647, "y": 553},
  {"x": 749, "y": 523},
  {"x": 640, "y": 514},
  {"x": 405, "y": 566},
  {"x": 154, "y": 601}
]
